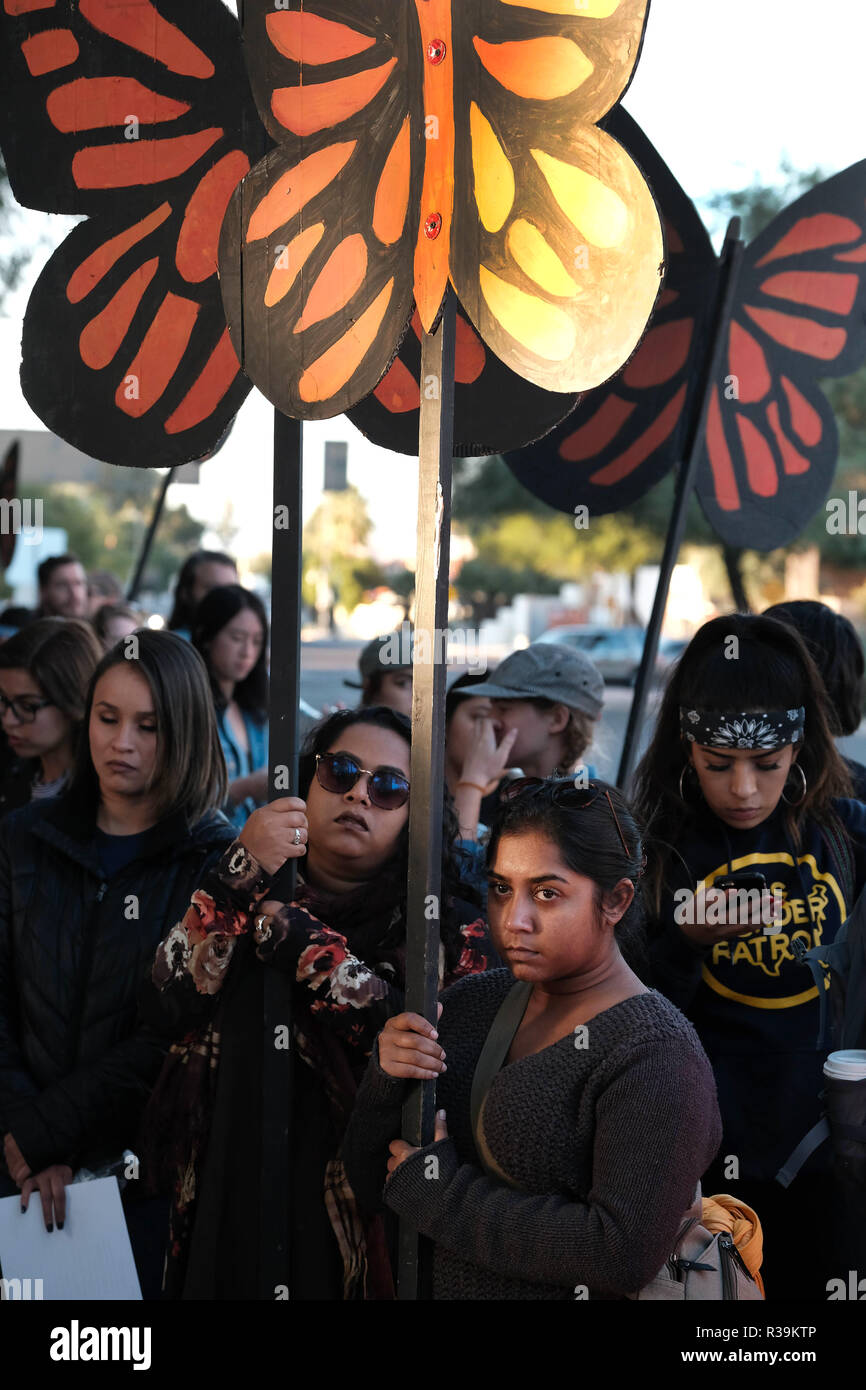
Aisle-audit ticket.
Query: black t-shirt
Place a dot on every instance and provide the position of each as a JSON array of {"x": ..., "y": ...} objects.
[
  {"x": 755, "y": 1007},
  {"x": 116, "y": 851}
]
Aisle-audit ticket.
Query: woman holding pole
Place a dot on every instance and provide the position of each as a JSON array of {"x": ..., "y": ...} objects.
[
  {"x": 545, "y": 1180},
  {"x": 342, "y": 942}
]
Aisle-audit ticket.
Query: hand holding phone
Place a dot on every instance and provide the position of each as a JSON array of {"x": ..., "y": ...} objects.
[{"x": 736, "y": 905}]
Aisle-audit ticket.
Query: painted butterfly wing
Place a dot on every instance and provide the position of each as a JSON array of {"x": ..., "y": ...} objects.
[
  {"x": 556, "y": 249},
  {"x": 494, "y": 408},
  {"x": 139, "y": 116},
  {"x": 800, "y": 315},
  {"x": 316, "y": 250},
  {"x": 624, "y": 436},
  {"x": 387, "y": 157}
]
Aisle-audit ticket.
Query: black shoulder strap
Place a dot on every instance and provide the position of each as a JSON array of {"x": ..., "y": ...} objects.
[{"x": 496, "y": 1045}]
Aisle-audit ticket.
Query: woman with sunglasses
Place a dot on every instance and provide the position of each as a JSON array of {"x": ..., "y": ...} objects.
[
  {"x": 577, "y": 1107},
  {"x": 44, "y": 673},
  {"x": 742, "y": 785},
  {"x": 341, "y": 944}
]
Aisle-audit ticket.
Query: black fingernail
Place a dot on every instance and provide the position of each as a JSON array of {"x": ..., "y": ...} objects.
[
  {"x": 50, "y": 1227},
  {"x": 60, "y": 1225},
  {"x": 23, "y": 1209}
]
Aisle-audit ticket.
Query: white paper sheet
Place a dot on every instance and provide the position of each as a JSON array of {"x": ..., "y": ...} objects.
[{"x": 90, "y": 1259}]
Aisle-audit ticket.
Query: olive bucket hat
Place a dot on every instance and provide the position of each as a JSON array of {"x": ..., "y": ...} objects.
[{"x": 547, "y": 671}]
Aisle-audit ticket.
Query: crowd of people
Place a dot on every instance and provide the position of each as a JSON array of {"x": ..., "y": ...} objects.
[{"x": 602, "y": 1059}]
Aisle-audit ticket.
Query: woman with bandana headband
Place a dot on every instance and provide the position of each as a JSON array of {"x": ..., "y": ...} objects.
[{"x": 742, "y": 781}]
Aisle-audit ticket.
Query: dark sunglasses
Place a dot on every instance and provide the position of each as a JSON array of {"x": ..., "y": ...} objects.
[
  {"x": 338, "y": 773},
  {"x": 564, "y": 793}
]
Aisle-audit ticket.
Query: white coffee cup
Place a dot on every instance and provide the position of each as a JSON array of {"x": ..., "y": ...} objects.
[{"x": 849, "y": 1065}]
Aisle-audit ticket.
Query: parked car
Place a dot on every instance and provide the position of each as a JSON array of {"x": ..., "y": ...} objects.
[
  {"x": 669, "y": 653},
  {"x": 615, "y": 651}
]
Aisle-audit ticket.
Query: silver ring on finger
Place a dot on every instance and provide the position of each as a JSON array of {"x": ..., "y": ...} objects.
[{"x": 297, "y": 835}]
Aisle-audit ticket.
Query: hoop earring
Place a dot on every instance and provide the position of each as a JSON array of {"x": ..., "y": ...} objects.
[{"x": 797, "y": 767}]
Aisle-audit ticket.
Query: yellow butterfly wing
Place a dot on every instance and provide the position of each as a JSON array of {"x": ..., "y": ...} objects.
[{"x": 556, "y": 244}]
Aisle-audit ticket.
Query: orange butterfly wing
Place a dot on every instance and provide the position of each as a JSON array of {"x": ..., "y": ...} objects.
[
  {"x": 433, "y": 140},
  {"x": 799, "y": 315},
  {"x": 139, "y": 117},
  {"x": 315, "y": 253}
]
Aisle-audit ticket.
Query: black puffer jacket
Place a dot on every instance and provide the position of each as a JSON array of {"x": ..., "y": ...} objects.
[{"x": 76, "y": 1063}]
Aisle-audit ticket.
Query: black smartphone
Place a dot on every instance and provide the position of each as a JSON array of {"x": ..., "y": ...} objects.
[{"x": 745, "y": 881}]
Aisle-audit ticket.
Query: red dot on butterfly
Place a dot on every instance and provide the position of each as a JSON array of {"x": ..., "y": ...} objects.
[
  {"x": 433, "y": 225},
  {"x": 436, "y": 51}
]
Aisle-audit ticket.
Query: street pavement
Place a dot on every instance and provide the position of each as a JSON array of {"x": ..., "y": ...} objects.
[{"x": 325, "y": 665}]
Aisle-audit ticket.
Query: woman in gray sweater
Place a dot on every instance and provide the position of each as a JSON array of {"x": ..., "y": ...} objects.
[{"x": 564, "y": 1163}]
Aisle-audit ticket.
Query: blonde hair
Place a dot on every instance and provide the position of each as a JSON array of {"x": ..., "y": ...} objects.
[{"x": 576, "y": 736}]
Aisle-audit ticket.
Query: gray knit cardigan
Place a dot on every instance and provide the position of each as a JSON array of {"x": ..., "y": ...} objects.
[{"x": 603, "y": 1134}]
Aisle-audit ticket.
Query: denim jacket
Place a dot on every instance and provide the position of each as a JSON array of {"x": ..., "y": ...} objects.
[{"x": 238, "y": 764}]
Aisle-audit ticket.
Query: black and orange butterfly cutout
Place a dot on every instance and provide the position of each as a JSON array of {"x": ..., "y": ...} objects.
[
  {"x": 432, "y": 142},
  {"x": 771, "y": 444},
  {"x": 144, "y": 126},
  {"x": 126, "y": 352},
  {"x": 378, "y": 111}
]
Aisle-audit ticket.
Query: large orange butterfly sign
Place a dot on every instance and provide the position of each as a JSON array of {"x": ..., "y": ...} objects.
[{"x": 422, "y": 142}]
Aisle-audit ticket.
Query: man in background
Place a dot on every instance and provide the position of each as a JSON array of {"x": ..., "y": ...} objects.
[
  {"x": 62, "y": 588},
  {"x": 385, "y": 679},
  {"x": 203, "y": 571}
]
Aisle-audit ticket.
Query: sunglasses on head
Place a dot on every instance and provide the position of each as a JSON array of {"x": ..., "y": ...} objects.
[
  {"x": 338, "y": 772},
  {"x": 564, "y": 793}
]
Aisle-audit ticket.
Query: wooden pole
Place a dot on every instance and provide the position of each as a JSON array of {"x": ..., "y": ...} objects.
[
  {"x": 426, "y": 773},
  {"x": 729, "y": 269},
  {"x": 275, "y": 1176},
  {"x": 135, "y": 583}
]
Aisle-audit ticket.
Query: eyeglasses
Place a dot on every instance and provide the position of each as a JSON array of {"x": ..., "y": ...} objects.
[
  {"x": 337, "y": 772},
  {"x": 565, "y": 793},
  {"x": 25, "y": 710}
]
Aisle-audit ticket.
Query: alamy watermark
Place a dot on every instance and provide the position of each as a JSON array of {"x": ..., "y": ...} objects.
[
  {"x": 444, "y": 647},
  {"x": 732, "y": 907},
  {"x": 853, "y": 1288},
  {"x": 22, "y": 518},
  {"x": 846, "y": 516},
  {"x": 77, "y": 1343},
  {"x": 20, "y": 1290}
]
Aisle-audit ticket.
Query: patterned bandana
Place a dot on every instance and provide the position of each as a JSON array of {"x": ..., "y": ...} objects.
[{"x": 732, "y": 729}]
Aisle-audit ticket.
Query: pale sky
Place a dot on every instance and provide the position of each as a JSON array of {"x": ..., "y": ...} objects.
[{"x": 726, "y": 91}]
